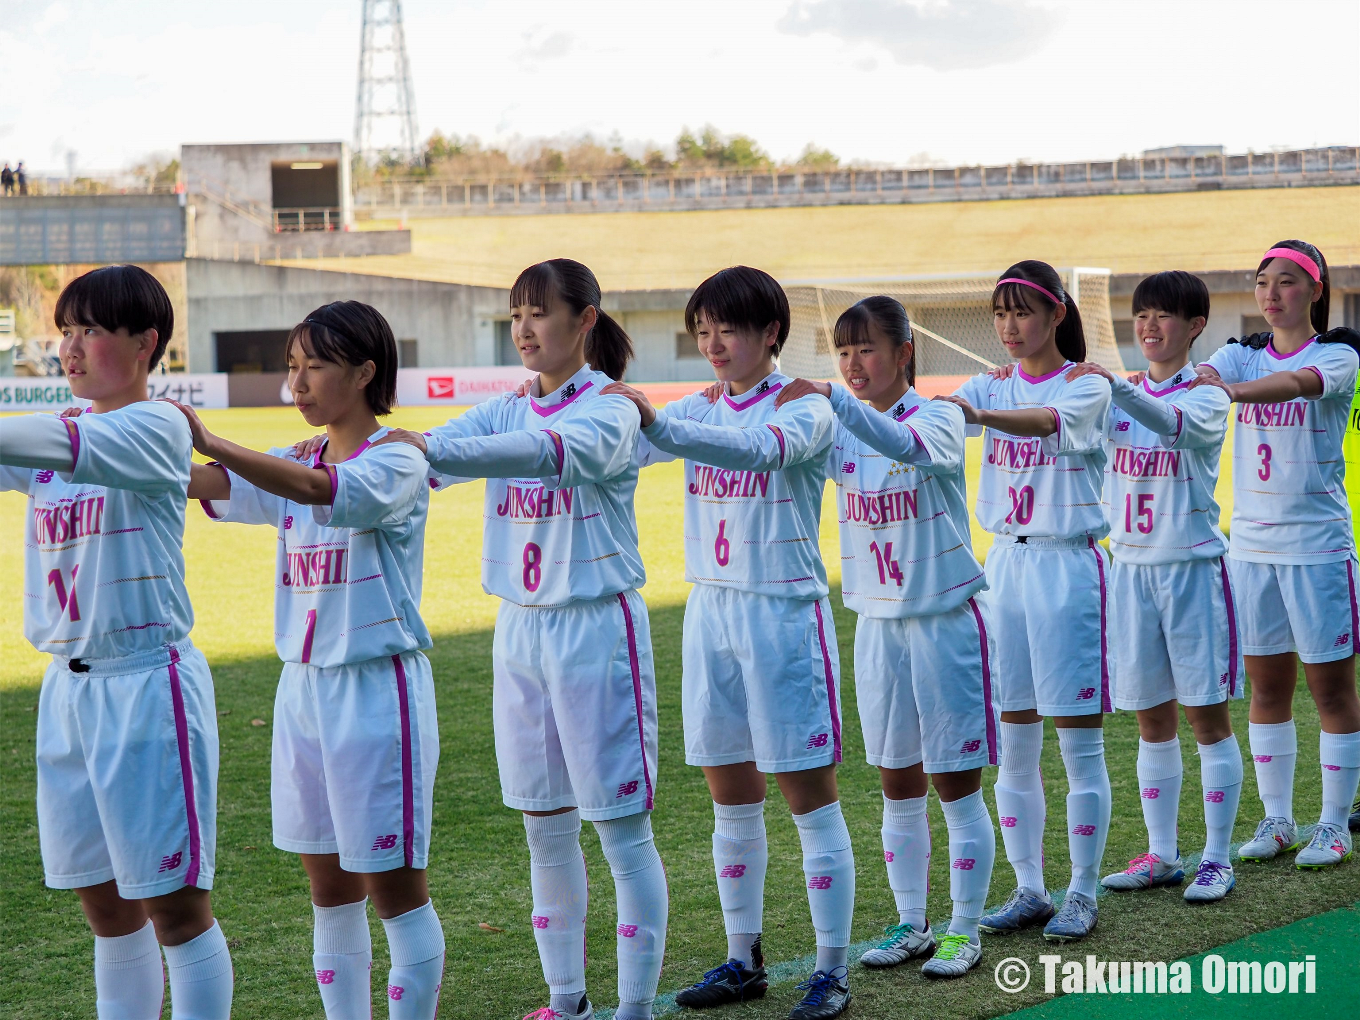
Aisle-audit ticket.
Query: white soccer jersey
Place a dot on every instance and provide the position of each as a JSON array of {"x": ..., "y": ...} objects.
[
  {"x": 348, "y": 576},
  {"x": 1049, "y": 486},
  {"x": 754, "y": 477},
  {"x": 1159, "y": 481},
  {"x": 104, "y": 568},
  {"x": 558, "y": 519},
  {"x": 1289, "y": 492},
  {"x": 906, "y": 548}
]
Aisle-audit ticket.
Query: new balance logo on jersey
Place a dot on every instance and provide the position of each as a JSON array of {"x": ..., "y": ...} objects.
[
  {"x": 1086, "y": 694},
  {"x": 43, "y": 477},
  {"x": 970, "y": 746},
  {"x": 1122, "y": 426},
  {"x": 1151, "y": 792},
  {"x": 627, "y": 789},
  {"x": 964, "y": 863},
  {"x": 172, "y": 862},
  {"x": 568, "y": 390},
  {"x": 816, "y": 740},
  {"x": 627, "y": 930},
  {"x": 763, "y": 386},
  {"x": 325, "y": 977},
  {"x": 538, "y": 921},
  {"x": 1213, "y": 796},
  {"x": 535, "y": 502},
  {"x": 67, "y": 521},
  {"x": 897, "y": 411},
  {"x": 1342, "y": 641},
  {"x": 819, "y": 882},
  {"x": 848, "y": 468},
  {"x": 288, "y": 523},
  {"x": 395, "y": 991},
  {"x": 385, "y": 842},
  {"x": 1083, "y": 830},
  {"x": 1008, "y": 821},
  {"x": 732, "y": 871}
]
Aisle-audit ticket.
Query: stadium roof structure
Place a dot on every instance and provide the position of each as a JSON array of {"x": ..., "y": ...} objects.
[{"x": 1195, "y": 231}]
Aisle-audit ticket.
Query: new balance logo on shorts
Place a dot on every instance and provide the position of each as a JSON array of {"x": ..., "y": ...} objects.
[
  {"x": 819, "y": 882},
  {"x": 395, "y": 991},
  {"x": 325, "y": 977},
  {"x": 964, "y": 863},
  {"x": 1342, "y": 641},
  {"x": 1151, "y": 792},
  {"x": 1223, "y": 680},
  {"x": 45, "y": 476},
  {"x": 1086, "y": 694},
  {"x": 385, "y": 842},
  {"x": 627, "y": 789},
  {"x": 538, "y": 921},
  {"x": 1008, "y": 821},
  {"x": 1083, "y": 830},
  {"x": 732, "y": 871},
  {"x": 627, "y": 930},
  {"x": 1213, "y": 796},
  {"x": 171, "y": 862},
  {"x": 970, "y": 746},
  {"x": 816, "y": 740}
]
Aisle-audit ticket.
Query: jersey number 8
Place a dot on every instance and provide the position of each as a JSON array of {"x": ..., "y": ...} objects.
[{"x": 533, "y": 569}]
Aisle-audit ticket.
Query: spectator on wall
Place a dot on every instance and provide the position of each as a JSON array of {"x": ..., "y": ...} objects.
[
  {"x": 21, "y": 178},
  {"x": 7, "y": 180}
]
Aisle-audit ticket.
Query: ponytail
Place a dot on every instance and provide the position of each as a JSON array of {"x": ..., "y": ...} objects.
[
  {"x": 1321, "y": 309},
  {"x": 1034, "y": 281},
  {"x": 608, "y": 347},
  {"x": 852, "y": 328}
]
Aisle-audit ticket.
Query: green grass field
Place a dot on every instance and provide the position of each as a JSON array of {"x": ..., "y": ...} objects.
[{"x": 479, "y": 868}]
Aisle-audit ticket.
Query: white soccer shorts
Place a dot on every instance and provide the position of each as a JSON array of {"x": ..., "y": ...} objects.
[
  {"x": 1175, "y": 634},
  {"x": 127, "y": 773},
  {"x": 1050, "y": 606},
  {"x": 761, "y": 681},
  {"x": 355, "y": 753},
  {"x": 1310, "y": 608},
  {"x": 924, "y": 689},
  {"x": 574, "y": 707}
]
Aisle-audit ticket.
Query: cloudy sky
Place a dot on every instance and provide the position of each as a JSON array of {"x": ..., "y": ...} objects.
[{"x": 872, "y": 80}]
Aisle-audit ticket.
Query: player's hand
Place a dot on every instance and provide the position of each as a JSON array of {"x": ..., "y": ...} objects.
[
  {"x": 1136, "y": 378},
  {"x": 645, "y": 409},
  {"x": 1088, "y": 368},
  {"x": 801, "y": 388},
  {"x": 72, "y": 412},
  {"x": 522, "y": 390},
  {"x": 416, "y": 439},
  {"x": 308, "y": 448},
  {"x": 1001, "y": 371},
  {"x": 713, "y": 391},
  {"x": 1206, "y": 376},
  {"x": 970, "y": 413},
  {"x": 203, "y": 439}
]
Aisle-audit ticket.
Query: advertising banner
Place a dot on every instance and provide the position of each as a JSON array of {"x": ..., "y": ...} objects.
[
  {"x": 417, "y": 387},
  {"x": 51, "y": 393}
]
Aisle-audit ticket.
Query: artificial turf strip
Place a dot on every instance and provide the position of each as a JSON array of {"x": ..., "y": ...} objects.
[{"x": 479, "y": 869}]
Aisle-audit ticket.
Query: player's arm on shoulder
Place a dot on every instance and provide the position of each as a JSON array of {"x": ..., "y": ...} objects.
[
  {"x": 478, "y": 420},
  {"x": 1079, "y": 415},
  {"x": 376, "y": 490},
  {"x": 144, "y": 447},
  {"x": 804, "y": 428},
  {"x": 1203, "y": 419},
  {"x": 597, "y": 443},
  {"x": 1154, "y": 413}
]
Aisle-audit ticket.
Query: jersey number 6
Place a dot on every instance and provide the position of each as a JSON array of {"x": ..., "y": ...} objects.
[{"x": 722, "y": 548}]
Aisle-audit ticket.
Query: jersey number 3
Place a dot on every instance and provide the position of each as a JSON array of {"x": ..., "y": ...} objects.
[{"x": 65, "y": 599}]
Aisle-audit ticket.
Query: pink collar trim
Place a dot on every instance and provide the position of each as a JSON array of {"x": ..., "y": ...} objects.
[
  {"x": 1270, "y": 349},
  {"x": 1169, "y": 389},
  {"x": 551, "y": 409},
  {"x": 753, "y": 400},
  {"x": 1041, "y": 378},
  {"x": 316, "y": 457}
]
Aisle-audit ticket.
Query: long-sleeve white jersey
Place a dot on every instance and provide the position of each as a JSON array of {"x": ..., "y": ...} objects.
[
  {"x": 348, "y": 575},
  {"x": 104, "y": 561},
  {"x": 754, "y": 477},
  {"x": 906, "y": 548},
  {"x": 1289, "y": 470},
  {"x": 1049, "y": 486},
  {"x": 561, "y": 473},
  {"x": 1165, "y": 445}
]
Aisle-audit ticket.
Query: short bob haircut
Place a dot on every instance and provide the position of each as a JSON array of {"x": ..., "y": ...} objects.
[
  {"x": 1175, "y": 292},
  {"x": 350, "y": 333},
  {"x": 118, "y": 297},
  {"x": 742, "y": 297}
]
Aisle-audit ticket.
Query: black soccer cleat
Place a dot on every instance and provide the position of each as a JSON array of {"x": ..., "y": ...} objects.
[
  {"x": 827, "y": 995},
  {"x": 731, "y": 982},
  {"x": 1353, "y": 823}
]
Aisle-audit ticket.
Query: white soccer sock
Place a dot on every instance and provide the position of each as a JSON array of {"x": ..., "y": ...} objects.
[
  {"x": 1274, "y": 749},
  {"x": 415, "y": 941},
  {"x": 740, "y": 857},
  {"x": 643, "y": 906},
  {"x": 129, "y": 979},
  {"x": 1088, "y": 805},
  {"x": 1159, "y": 783},
  {"x": 200, "y": 977},
  {"x": 342, "y": 956},
  {"x": 906, "y": 852},
  {"x": 1220, "y": 775},
  {"x": 557, "y": 874},
  {"x": 972, "y": 852},
  {"x": 1020, "y": 802},
  {"x": 1340, "y": 754},
  {"x": 829, "y": 866}
]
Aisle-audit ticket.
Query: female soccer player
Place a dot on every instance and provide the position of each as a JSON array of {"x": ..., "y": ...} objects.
[
  {"x": 1175, "y": 626},
  {"x": 127, "y": 724},
  {"x": 1044, "y": 457},
  {"x": 356, "y": 740},
  {"x": 575, "y": 690},
  {"x": 923, "y": 651},
  {"x": 1292, "y": 552},
  {"x": 761, "y": 674}
]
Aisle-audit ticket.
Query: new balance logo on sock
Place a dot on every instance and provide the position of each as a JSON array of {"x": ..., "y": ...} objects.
[
  {"x": 539, "y": 922},
  {"x": 325, "y": 977},
  {"x": 964, "y": 863},
  {"x": 1213, "y": 796},
  {"x": 732, "y": 871},
  {"x": 888, "y": 856},
  {"x": 1331, "y": 768},
  {"x": 172, "y": 862},
  {"x": 1151, "y": 792},
  {"x": 817, "y": 740},
  {"x": 627, "y": 789},
  {"x": 1083, "y": 830},
  {"x": 395, "y": 991},
  {"x": 627, "y": 930},
  {"x": 1262, "y": 757},
  {"x": 1086, "y": 694},
  {"x": 1008, "y": 821},
  {"x": 819, "y": 882},
  {"x": 385, "y": 842},
  {"x": 969, "y": 746}
]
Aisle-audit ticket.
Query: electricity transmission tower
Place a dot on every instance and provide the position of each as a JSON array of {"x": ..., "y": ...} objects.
[{"x": 385, "y": 109}]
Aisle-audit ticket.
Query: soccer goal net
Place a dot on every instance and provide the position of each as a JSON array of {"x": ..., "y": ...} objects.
[{"x": 951, "y": 317}]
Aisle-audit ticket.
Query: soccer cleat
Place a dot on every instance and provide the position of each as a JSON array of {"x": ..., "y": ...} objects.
[
  {"x": 548, "y": 1013},
  {"x": 1212, "y": 882},
  {"x": 1273, "y": 836},
  {"x": 899, "y": 944},
  {"x": 731, "y": 982},
  {"x": 1331, "y": 844},
  {"x": 1353, "y": 823},
  {"x": 1144, "y": 872},
  {"x": 827, "y": 995},
  {"x": 1023, "y": 910},
  {"x": 956, "y": 956},
  {"x": 1074, "y": 920}
]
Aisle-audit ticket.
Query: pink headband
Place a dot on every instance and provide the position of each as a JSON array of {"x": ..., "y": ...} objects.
[
  {"x": 1299, "y": 258},
  {"x": 1025, "y": 283}
]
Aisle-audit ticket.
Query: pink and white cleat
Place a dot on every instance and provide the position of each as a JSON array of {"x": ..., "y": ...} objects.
[{"x": 1146, "y": 871}]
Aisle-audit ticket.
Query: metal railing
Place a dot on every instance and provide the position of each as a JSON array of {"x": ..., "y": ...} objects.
[{"x": 293, "y": 220}]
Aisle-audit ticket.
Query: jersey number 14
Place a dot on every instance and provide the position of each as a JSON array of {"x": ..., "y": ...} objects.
[{"x": 887, "y": 566}]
